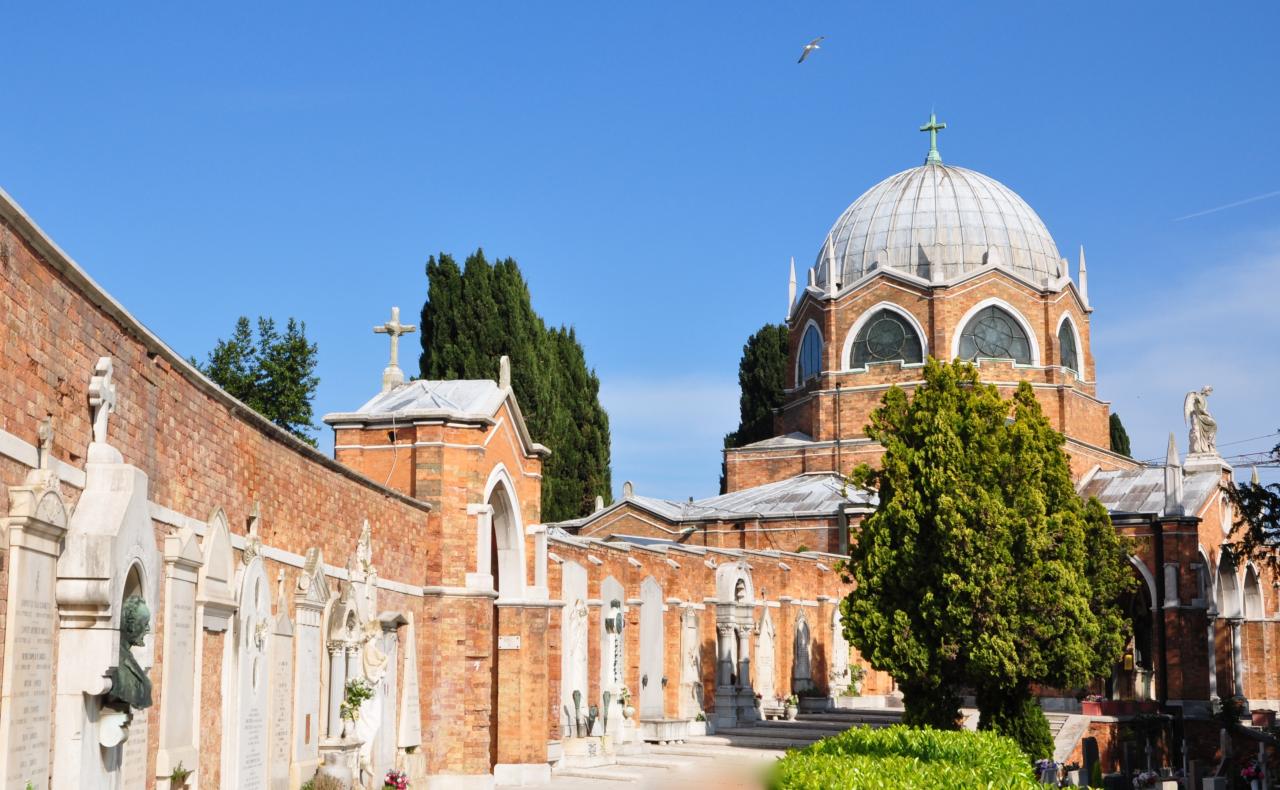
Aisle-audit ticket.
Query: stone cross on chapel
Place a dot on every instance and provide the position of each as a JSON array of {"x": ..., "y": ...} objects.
[
  {"x": 933, "y": 127},
  {"x": 393, "y": 376}
]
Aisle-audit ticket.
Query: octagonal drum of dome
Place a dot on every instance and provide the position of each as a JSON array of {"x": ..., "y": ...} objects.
[{"x": 938, "y": 222}]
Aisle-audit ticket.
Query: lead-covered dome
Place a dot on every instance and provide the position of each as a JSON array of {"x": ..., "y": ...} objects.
[{"x": 938, "y": 222}]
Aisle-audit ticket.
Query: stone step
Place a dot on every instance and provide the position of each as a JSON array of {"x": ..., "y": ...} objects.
[
  {"x": 601, "y": 774},
  {"x": 654, "y": 761},
  {"x": 749, "y": 742},
  {"x": 805, "y": 734},
  {"x": 806, "y": 724},
  {"x": 711, "y": 752}
]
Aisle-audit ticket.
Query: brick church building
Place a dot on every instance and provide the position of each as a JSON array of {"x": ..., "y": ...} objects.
[{"x": 189, "y": 587}]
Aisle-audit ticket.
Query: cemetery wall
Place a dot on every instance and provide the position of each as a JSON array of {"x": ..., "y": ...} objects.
[{"x": 200, "y": 451}]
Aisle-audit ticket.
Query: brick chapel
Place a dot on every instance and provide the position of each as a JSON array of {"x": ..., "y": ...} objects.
[{"x": 187, "y": 587}]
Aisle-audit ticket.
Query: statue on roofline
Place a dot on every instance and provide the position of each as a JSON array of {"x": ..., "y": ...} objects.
[{"x": 1204, "y": 429}]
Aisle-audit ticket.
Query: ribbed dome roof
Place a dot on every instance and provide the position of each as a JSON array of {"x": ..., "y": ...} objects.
[{"x": 938, "y": 222}]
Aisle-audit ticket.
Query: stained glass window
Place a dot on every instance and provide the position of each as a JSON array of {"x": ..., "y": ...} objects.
[
  {"x": 1067, "y": 347},
  {"x": 995, "y": 334},
  {"x": 885, "y": 337},
  {"x": 810, "y": 354}
]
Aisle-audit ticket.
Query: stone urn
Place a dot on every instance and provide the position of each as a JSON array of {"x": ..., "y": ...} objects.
[
  {"x": 789, "y": 711},
  {"x": 335, "y": 768},
  {"x": 628, "y": 712}
]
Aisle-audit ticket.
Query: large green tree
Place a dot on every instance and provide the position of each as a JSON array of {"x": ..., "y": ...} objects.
[
  {"x": 481, "y": 311},
  {"x": 981, "y": 567},
  {"x": 272, "y": 373}
]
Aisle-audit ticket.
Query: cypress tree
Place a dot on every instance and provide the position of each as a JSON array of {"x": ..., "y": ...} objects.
[
  {"x": 478, "y": 313},
  {"x": 1119, "y": 437},
  {"x": 762, "y": 374}
]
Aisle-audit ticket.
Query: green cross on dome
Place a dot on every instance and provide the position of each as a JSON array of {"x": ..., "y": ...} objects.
[{"x": 933, "y": 127}]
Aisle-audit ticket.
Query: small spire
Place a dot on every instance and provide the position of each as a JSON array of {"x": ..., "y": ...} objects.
[
  {"x": 933, "y": 127},
  {"x": 1172, "y": 481},
  {"x": 791, "y": 287},
  {"x": 1254, "y": 477},
  {"x": 504, "y": 372},
  {"x": 1084, "y": 279}
]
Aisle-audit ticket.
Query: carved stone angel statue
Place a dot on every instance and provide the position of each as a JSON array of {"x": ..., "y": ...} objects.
[{"x": 1204, "y": 429}]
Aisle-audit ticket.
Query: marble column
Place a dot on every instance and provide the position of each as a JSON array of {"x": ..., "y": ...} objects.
[
  {"x": 337, "y": 688},
  {"x": 1213, "y": 657},
  {"x": 1237, "y": 657},
  {"x": 744, "y": 653},
  {"x": 725, "y": 644}
]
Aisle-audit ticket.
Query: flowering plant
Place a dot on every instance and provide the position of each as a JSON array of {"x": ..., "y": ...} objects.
[
  {"x": 1093, "y": 698},
  {"x": 1146, "y": 779},
  {"x": 1251, "y": 771},
  {"x": 624, "y": 696},
  {"x": 1045, "y": 766},
  {"x": 357, "y": 692},
  {"x": 395, "y": 780}
]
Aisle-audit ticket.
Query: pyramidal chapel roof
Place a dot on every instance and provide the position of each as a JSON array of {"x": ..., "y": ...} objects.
[{"x": 938, "y": 222}]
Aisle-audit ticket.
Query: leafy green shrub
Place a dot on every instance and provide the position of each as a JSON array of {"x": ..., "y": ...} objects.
[{"x": 906, "y": 758}]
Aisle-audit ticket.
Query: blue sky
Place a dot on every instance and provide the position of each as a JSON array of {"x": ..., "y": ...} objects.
[{"x": 652, "y": 168}]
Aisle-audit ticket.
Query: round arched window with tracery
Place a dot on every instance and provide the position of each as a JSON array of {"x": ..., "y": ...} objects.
[
  {"x": 995, "y": 334},
  {"x": 886, "y": 337}
]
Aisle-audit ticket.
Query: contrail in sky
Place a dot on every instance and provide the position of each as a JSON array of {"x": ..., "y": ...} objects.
[{"x": 1253, "y": 199}]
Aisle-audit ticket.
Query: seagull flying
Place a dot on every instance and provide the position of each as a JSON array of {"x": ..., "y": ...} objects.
[{"x": 811, "y": 46}]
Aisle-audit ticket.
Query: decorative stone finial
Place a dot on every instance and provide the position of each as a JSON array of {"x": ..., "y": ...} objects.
[
  {"x": 791, "y": 288},
  {"x": 504, "y": 372},
  {"x": 253, "y": 540},
  {"x": 364, "y": 548},
  {"x": 1204, "y": 429},
  {"x": 933, "y": 127},
  {"x": 102, "y": 397},
  {"x": 1084, "y": 279},
  {"x": 600, "y": 500},
  {"x": 1172, "y": 480},
  {"x": 44, "y": 444},
  {"x": 1254, "y": 477},
  {"x": 628, "y": 490},
  {"x": 393, "y": 376}
]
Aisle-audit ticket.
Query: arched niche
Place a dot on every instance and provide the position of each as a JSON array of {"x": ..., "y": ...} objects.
[
  {"x": 1227, "y": 596},
  {"x": 507, "y": 541},
  {"x": 1253, "y": 607}
]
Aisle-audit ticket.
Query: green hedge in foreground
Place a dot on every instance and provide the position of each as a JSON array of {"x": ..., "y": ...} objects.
[{"x": 906, "y": 758}]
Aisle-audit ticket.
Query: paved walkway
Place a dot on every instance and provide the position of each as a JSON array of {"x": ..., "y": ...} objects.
[{"x": 733, "y": 759}]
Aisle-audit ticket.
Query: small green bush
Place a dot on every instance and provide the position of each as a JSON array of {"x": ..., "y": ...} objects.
[{"x": 906, "y": 758}]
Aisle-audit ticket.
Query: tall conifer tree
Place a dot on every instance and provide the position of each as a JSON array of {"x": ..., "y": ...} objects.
[
  {"x": 981, "y": 566},
  {"x": 480, "y": 312}
]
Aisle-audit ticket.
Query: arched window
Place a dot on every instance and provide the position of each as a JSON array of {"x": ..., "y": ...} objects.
[
  {"x": 885, "y": 337},
  {"x": 995, "y": 334},
  {"x": 1067, "y": 353},
  {"x": 810, "y": 355}
]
